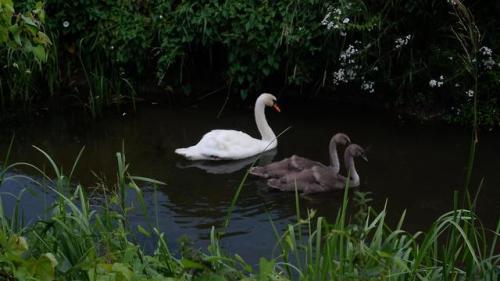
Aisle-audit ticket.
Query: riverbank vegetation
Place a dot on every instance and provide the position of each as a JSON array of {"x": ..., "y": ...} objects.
[
  {"x": 406, "y": 56},
  {"x": 85, "y": 234}
]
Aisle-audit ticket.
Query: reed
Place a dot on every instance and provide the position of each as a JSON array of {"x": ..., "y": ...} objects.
[{"x": 86, "y": 236}]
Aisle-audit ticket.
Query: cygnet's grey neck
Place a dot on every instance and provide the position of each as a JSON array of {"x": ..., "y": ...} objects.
[
  {"x": 334, "y": 157},
  {"x": 353, "y": 174}
]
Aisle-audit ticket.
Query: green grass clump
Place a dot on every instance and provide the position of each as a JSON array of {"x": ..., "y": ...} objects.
[{"x": 80, "y": 239}]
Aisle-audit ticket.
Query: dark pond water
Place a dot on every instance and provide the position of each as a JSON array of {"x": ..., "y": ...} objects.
[{"x": 416, "y": 167}]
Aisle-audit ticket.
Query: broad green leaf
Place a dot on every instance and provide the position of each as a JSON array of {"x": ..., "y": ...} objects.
[
  {"x": 4, "y": 34},
  {"x": 39, "y": 52},
  {"x": 265, "y": 269},
  {"x": 191, "y": 264},
  {"x": 42, "y": 38},
  {"x": 123, "y": 270},
  {"x": 16, "y": 33},
  {"x": 42, "y": 269},
  {"x": 29, "y": 20}
]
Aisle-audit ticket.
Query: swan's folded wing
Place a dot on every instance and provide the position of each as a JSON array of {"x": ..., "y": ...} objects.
[
  {"x": 325, "y": 176},
  {"x": 301, "y": 163},
  {"x": 229, "y": 144}
]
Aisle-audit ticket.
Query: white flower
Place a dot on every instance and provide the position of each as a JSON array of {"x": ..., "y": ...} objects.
[
  {"x": 112, "y": 47},
  {"x": 65, "y": 24},
  {"x": 457, "y": 85},
  {"x": 339, "y": 76},
  {"x": 375, "y": 68},
  {"x": 326, "y": 19},
  {"x": 346, "y": 21},
  {"x": 470, "y": 93},
  {"x": 486, "y": 51},
  {"x": 343, "y": 33},
  {"x": 400, "y": 42},
  {"x": 489, "y": 63},
  {"x": 28, "y": 71},
  {"x": 434, "y": 83},
  {"x": 160, "y": 16},
  {"x": 368, "y": 86}
]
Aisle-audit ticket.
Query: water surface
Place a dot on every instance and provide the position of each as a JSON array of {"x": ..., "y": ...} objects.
[{"x": 416, "y": 167}]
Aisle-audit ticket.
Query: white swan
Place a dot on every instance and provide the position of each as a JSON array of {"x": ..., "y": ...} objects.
[{"x": 232, "y": 144}]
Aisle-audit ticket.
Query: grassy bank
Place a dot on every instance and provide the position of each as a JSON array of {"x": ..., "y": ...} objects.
[{"x": 81, "y": 238}]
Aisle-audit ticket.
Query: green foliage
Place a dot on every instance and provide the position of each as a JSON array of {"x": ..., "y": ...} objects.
[
  {"x": 400, "y": 47},
  {"x": 14, "y": 264},
  {"x": 79, "y": 242},
  {"x": 23, "y": 49}
]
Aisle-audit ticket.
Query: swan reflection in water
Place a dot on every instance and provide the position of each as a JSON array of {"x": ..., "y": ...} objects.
[{"x": 229, "y": 166}]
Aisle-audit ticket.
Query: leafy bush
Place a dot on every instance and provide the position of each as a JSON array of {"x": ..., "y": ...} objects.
[
  {"x": 400, "y": 53},
  {"x": 23, "y": 50}
]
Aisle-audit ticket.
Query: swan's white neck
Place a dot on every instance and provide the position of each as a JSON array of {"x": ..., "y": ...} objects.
[
  {"x": 265, "y": 131},
  {"x": 334, "y": 157},
  {"x": 354, "y": 177}
]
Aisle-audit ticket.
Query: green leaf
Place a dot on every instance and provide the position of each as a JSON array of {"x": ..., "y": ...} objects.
[
  {"x": 125, "y": 273},
  {"x": 16, "y": 33},
  {"x": 39, "y": 52},
  {"x": 42, "y": 38},
  {"x": 265, "y": 269},
  {"x": 43, "y": 269},
  {"x": 191, "y": 264},
  {"x": 4, "y": 34},
  {"x": 143, "y": 231},
  {"x": 29, "y": 20}
]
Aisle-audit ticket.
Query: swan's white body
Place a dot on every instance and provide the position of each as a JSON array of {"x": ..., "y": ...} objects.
[{"x": 231, "y": 144}]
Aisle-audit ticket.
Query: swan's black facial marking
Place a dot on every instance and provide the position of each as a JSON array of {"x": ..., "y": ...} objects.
[
  {"x": 341, "y": 138},
  {"x": 274, "y": 101},
  {"x": 345, "y": 139}
]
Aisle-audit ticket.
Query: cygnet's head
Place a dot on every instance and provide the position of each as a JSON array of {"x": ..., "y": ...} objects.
[{"x": 356, "y": 151}]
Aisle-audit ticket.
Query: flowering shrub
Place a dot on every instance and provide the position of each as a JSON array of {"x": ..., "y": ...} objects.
[{"x": 395, "y": 52}]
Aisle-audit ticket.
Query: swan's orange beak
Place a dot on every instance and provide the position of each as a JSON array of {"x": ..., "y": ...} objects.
[{"x": 276, "y": 107}]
